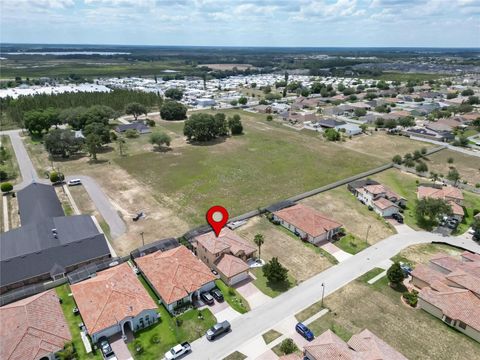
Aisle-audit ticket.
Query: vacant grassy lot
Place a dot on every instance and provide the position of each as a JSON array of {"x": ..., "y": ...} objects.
[
  {"x": 342, "y": 206},
  {"x": 467, "y": 166},
  {"x": 415, "y": 333},
  {"x": 269, "y": 288},
  {"x": 8, "y": 161},
  {"x": 270, "y": 335},
  {"x": 303, "y": 262},
  {"x": 422, "y": 253}
]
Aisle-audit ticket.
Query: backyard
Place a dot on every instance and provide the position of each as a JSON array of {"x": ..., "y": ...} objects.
[{"x": 467, "y": 166}]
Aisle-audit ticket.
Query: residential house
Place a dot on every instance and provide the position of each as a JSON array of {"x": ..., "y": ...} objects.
[
  {"x": 450, "y": 194},
  {"x": 450, "y": 290},
  {"x": 159, "y": 245},
  {"x": 308, "y": 223},
  {"x": 396, "y": 115},
  {"x": 33, "y": 328},
  {"x": 349, "y": 129},
  {"x": 226, "y": 253},
  {"x": 176, "y": 276},
  {"x": 425, "y": 133},
  {"x": 381, "y": 199},
  {"x": 365, "y": 345},
  {"x": 114, "y": 301},
  {"x": 48, "y": 244},
  {"x": 330, "y": 123},
  {"x": 138, "y": 126},
  {"x": 263, "y": 109}
]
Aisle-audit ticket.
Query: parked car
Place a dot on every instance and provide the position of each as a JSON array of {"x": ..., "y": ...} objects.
[
  {"x": 106, "y": 349},
  {"x": 407, "y": 270},
  {"x": 217, "y": 294},
  {"x": 207, "y": 298},
  {"x": 304, "y": 331},
  {"x": 398, "y": 217},
  {"x": 218, "y": 329},
  {"x": 452, "y": 223},
  {"x": 214, "y": 272},
  {"x": 178, "y": 351},
  {"x": 74, "y": 182}
]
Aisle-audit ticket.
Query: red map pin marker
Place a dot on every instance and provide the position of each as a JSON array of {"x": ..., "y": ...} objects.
[{"x": 217, "y": 217}]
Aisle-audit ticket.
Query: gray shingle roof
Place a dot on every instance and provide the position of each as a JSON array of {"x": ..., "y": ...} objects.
[{"x": 38, "y": 202}]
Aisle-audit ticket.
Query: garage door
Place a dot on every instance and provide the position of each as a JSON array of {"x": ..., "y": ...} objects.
[{"x": 240, "y": 277}]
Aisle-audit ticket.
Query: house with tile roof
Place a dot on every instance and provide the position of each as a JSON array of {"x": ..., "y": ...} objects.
[
  {"x": 176, "y": 276},
  {"x": 452, "y": 195},
  {"x": 450, "y": 290},
  {"x": 380, "y": 198},
  {"x": 228, "y": 254},
  {"x": 308, "y": 223},
  {"x": 114, "y": 301},
  {"x": 365, "y": 345},
  {"x": 33, "y": 328}
]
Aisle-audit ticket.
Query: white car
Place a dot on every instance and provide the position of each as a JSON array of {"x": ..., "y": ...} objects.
[
  {"x": 178, "y": 351},
  {"x": 74, "y": 182}
]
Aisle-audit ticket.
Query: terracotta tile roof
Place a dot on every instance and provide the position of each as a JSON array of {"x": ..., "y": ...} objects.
[
  {"x": 383, "y": 203},
  {"x": 371, "y": 347},
  {"x": 471, "y": 256},
  {"x": 427, "y": 274},
  {"x": 33, "y": 327},
  {"x": 111, "y": 296},
  {"x": 329, "y": 346},
  {"x": 293, "y": 356},
  {"x": 307, "y": 219},
  {"x": 230, "y": 265},
  {"x": 174, "y": 273},
  {"x": 465, "y": 280},
  {"x": 456, "y": 209},
  {"x": 457, "y": 304},
  {"x": 447, "y": 262},
  {"x": 446, "y": 192},
  {"x": 375, "y": 189},
  {"x": 227, "y": 239}
]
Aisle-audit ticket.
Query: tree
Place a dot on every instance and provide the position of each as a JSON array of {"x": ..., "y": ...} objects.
[
  {"x": 467, "y": 92},
  {"x": 428, "y": 210},
  {"x": 267, "y": 89},
  {"x": 331, "y": 135},
  {"x": 122, "y": 145},
  {"x": 234, "y": 102},
  {"x": 364, "y": 127},
  {"x": 434, "y": 176},
  {"x": 56, "y": 177},
  {"x": 37, "y": 121},
  {"x": 409, "y": 162},
  {"x": 269, "y": 117},
  {"x": 259, "y": 240},
  {"x": 135, "y": 109},
  {"x": 6, "y": 187},
  {"x": 100, "y": 129},
  {"x": 243, "y": 100},
  {"x": 205, "y": 127},
  {"x": 450, "y": 160},
  {"x": 159, "y": 139},
  {"x": 174, "y": 94},
  {"x": 360, "y": 112},
  {"x": 423, "y": 151},
  {"x": 62, "y": 142},
  {"x": 287, "y": 346},
  {"x": 476, "y": 229},
  {"x": 473, "y": 100},
  {"x": 131, "y": 134},
  {"x": 453, "y": 175},
  {"x": 274, "y": 271},
  {"x": 421, "y": 167},
  {"x": 406, "y": 121},
  {"x": 235, "y": 125},
  {"x": 397, "y": 159},
  {"x": 395, "y": 275},
  {"x": 172, "y": 110},
  {"x": 93, "y": 144}
]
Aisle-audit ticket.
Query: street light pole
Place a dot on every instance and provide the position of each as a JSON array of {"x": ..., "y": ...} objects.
[
  {"x": 143, "y": 240},
  {"x": 323, "y": 292},
  {"x": 368, "y": 230}
]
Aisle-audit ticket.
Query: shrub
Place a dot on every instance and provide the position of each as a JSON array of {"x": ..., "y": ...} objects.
[
  {"x": 269, "y": 117},
  {"x": 138, "y": 347},
  {"x": 395, "y": 274},
  {"x": 172, "y": 110},
  {"x": 3, "y": 175},
  {"x": 6, "y": 187},
  {"x": 131, "y": 133},
  {"x": 56, "y": 177},
  {"x": 477, "y": 185},
  {"x": 411, "y": 297},
  {"x": 154, "y": 339},
  {"x": 397, "y": 159},
  {"x": 450, "y": 160},
  {"x": 150, "y": 122},
  {"x": 288, "y": 346}
]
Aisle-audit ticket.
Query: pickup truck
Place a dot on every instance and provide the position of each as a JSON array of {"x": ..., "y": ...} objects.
[{"x": 178, "y": 351}]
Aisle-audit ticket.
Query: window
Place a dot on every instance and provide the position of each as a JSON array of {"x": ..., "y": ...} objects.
[
  {"x": 448, "y": 320},
  {"x": 462, "y": 325}
]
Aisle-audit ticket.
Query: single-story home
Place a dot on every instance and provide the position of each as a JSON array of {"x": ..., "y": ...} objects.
[
  {"x": 226, "y": 253},
  {"x": 364, "y": 345},
  {"x": 308, "y": 223},
  {"x": 139, "y": 126},
  {"x": 114, "y": 301},
  {"x": 452, "y": 195},
  {"x": 176, "y": 276},
  {"x": 349, "y": 129},
  {"x": 33, "y": 328}
]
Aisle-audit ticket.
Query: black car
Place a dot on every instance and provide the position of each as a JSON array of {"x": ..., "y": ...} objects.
[
  {"x": 218, "y": 329},
  {"x": 207, "y": 298},
  {"x": 398, "y": 217},
  {"x": 217, "y": 294},
  {"x": 106, "y": 349}
]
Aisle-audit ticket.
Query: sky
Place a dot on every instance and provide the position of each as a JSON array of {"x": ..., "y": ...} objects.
[{"x": 297, "y": 23}]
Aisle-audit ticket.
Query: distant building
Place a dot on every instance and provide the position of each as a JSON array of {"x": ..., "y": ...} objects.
[
  {"x": 139, "y": 126},
  {"x": 452, "y": 195},
  {"x": 205, "y": 102}
]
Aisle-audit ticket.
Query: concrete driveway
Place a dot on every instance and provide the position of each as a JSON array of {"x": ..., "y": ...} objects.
[
  {"x": 251, "y": 293},
  {"x": 338, "y": 253},
  {"x": 120, "y": 349}
]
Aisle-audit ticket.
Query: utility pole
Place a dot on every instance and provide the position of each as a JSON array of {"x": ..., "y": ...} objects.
[
  {"x": 323, "y": 292},
  {"x": 368, "y": 230},
  {"x": 143, "y": 240}
]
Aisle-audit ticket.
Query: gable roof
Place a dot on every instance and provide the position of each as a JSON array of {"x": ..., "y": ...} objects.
[
  {"x": 37, "y": 202},
  {"x": 307, "y": 219},
  {"x": 427, "y": 274},
  {"x": 329, "y": 346},
  {"x": 230, "y": 265},
  {"x": 33, "y": 327},
  {"x": 371, "y": 347},
  {"x": 175, "y": 273},
  {"x": 226, "y": 240},
  {"x": 383, "y": 204},
  {"x": 442, "y": 193},
  {"x": 110, "y": 296}
]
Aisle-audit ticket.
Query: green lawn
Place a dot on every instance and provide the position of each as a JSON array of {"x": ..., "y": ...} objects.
[
  {"x": 233, "y": 298},
  {"x": 471, "y": 202},
  {"x": 170, "y": 331},
  {"x": 237, "y": 355},
  {"x": 68, "y": 304},
  {"x": 267, "y": 164},
  {"x": 370, "y": 274},
  {"x": 271, "y": 289},
  {"x": 308, "y": 312},
  {"x": 270, "y": 335},
  {"x": 351, "y": 244},
  {"x": 8, "y": 161},
  {"x": 276, "y": 349}
]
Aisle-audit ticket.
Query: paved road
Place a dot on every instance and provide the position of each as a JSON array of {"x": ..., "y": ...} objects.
[
  {"x": 259, "y": 320},
  {"x": 101, "y": 201},
  {"x": 470, "y": 152}
]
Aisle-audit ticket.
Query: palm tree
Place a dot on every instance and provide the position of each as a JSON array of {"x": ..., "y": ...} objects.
[
  {"x": 259, "y": 240},
  {"x": 434, "y": 176}
]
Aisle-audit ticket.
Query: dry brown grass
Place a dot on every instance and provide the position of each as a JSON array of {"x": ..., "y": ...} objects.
[
  {"x": 422, "y": 253},
  {"x": 302, "y": 261},
  {"x": 467, "y": 166},
  {"x": 342, "y": 206}
]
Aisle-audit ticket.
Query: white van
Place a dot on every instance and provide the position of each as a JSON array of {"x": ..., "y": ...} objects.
[{"x": 74, "y": 182}]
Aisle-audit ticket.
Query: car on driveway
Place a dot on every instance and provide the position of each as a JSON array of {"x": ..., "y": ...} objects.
[
  {"x": 106, "y": 349},
  {"x": 304, "y": 331},
  {"x": 406, "y": 268},
  {"x": 398, "y": 217},
  {"x": 217, "y": 294},
  {"x": 218, "y": 329},
  {"x": 207, "y": 298},
  {"x": 178, "y": 351}
]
